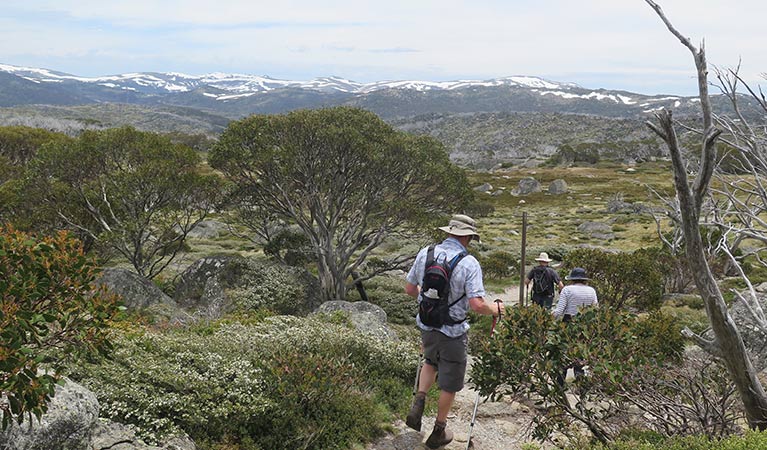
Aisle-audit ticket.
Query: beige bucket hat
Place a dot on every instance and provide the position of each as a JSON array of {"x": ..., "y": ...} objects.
[
  {"x": 461, "y": 225},
  {"x": 544, "y": 257}
]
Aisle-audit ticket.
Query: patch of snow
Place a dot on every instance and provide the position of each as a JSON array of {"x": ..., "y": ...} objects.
[
  {"x": 532, "y": 82},
  {"x": 627, "y": 100},
  {"x": 229, "y": 97},
  {"x": 595, "y": 95},
  {"x": 662, "y": 99}
]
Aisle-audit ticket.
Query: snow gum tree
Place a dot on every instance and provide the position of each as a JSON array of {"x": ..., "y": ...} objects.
[
  {"x": 728, "y": 343},
  {"x": 133, "y": 192},
  {"x": 344, "y": 177}
]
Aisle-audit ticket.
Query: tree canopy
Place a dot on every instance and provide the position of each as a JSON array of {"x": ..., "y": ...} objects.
[
  {"x": 134, "y": 192},
  {"x": 344, "y": 176}
]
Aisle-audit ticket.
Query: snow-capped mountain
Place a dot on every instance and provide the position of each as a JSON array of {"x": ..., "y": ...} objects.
[
  {"x": 173, "y": 82},
  {"x": 236, "y": 95}
]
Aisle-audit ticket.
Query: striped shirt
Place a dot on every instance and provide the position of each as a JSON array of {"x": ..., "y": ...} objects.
[
  {"x": 573, "y": 297},
  {"x": 465, "y": 283}
]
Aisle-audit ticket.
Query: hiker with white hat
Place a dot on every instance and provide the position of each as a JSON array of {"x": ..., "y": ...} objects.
[
  {"x": 545, "y": 280},
  {"x": 447, "y": 282}
]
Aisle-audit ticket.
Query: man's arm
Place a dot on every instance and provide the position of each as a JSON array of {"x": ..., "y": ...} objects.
[
  {"x": 480, "y": 306},
  {"x": 559, "y": 311}
]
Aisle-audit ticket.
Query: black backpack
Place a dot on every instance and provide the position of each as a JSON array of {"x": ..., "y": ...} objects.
[
  {"x": 543, "y": 282},
  {"x": 434, "y": 309}
]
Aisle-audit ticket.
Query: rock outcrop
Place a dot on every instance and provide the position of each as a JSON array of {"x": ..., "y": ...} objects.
[
  {"x": 597, "y": 230},
  {"x": 558, "y": 187},
  {"x": 752, "y": 335},
  {"x": 135, "y": 290},
  {"x": 526, "y": 186},
  {"x": 486, "y": 187},
  {"x": 199, "y": 287},
  {"x": 208, "y": 229},
  {"x": 72, "y": 423},
  {"x": 68, "y": 424},
  {"x": 366, "y": 317},
  {"x": 219, "y": 284}
]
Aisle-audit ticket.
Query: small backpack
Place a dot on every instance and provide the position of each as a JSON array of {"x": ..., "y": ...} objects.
[
  {"x": 543, "y": 282},
  {"x": 434, "y": 309}
]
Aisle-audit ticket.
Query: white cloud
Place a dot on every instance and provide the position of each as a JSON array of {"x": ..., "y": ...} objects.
[{"x": 444, "y": 39}]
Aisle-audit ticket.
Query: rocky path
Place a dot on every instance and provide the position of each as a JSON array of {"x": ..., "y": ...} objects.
[{"x": 502, "y": 425}]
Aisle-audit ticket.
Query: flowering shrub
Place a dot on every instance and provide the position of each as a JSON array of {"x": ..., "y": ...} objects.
[
  {"x": 281, "y": 383},
  {"x": 255, "y": 284}
]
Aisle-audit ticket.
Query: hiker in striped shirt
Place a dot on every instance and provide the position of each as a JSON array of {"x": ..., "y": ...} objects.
[
  {"x": 575, "y": 296},
  {"x": 572, "y": 298}
]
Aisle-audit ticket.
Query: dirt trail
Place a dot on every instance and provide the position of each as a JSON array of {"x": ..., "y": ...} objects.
[{"x": 510, "y": 295}]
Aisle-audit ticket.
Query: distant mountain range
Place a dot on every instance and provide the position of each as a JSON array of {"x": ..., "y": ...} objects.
[
  {"x": 237, "y": 95},
  {"x": 483, "y": 123}
]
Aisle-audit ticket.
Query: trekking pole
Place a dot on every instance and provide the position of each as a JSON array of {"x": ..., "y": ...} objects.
[
  {"x": 527, "y": 294},
  {"x": 418, "y": 374},
  {"x": 476, "y": 401}
]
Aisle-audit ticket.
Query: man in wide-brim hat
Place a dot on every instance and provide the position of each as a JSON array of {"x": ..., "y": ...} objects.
[
  {"x": 545, "y": 280},
  {"x": 444, "y": 347}
]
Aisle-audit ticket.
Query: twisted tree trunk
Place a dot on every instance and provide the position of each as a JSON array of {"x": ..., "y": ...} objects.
[{"x": 728, "y": 344}]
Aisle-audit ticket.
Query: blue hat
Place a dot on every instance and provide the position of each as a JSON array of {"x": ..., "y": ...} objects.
[{"x": 577, "y": 273}]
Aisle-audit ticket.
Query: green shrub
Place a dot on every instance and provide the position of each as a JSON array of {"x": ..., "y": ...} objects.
[
  {"x": 531, "y": 350},
  {"x": 684, "y": 316},
  {"x": 661, "y": 335},
  {"x": 290, "y": 246},
  {"x": 498, "y": 264},
  {"x": 625, "y": 279},
  {"x": 49, "y": 313},
  {"x": 279, "y": 383},
  {"x": 256, "y": 284},
  {"x": 389, "y": 294},
  {"x": 750, "y": 441},
  {"x": 555, "y": 252}
]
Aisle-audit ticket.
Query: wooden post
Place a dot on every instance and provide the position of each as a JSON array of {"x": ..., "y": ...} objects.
[{"x": 522, "y": 261}]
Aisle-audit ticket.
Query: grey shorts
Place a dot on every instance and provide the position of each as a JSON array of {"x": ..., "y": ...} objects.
[{"x": 448, "y": 355}]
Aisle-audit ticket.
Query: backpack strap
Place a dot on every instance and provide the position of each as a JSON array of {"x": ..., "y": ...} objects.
[
  {"x": 456, "y": 259},
  {"x": 453, "y": 263},
  {"x": 430, "y": 255}
]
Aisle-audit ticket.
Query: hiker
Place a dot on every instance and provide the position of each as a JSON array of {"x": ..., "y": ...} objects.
[
  {"x": 545, "y": 280},
  {"x": 572, "y": 298},
  {"x": 444, "y": 342}
]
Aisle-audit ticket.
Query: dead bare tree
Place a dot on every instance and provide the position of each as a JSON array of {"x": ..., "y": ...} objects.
[{"x": 727, "y": 343}]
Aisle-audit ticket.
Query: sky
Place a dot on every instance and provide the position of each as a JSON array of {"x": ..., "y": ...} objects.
[{"x": 612, "y": 44}]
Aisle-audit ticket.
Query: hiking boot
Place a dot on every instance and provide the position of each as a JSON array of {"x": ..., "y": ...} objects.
[
  {"x": 440, "y": 436},
  {"x": 413, "y": 419}
]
